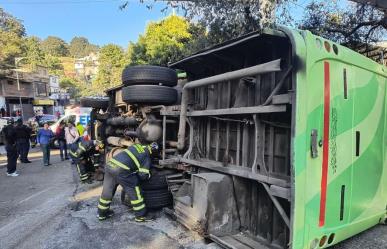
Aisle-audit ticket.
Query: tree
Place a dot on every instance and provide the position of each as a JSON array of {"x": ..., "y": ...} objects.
[
  {"x": 228, "y": 19},
  {"x": 53, "y": 64},
  {"x": 12, "y": 32},
  {"x": 33, "y": 52},
  {"x": 35, "y": 56},
  {"x": 165, "y": 41},
  {"x": 9, "y": 23},
  {"x": 55, "y": 46},
  {"x": 339, "y": 20},
  {"x": 72, "y": 86},
  {"x": 348, "y": 23},
  {"x": 112, "y": 61},
  {"x": 80, "y": 47}
]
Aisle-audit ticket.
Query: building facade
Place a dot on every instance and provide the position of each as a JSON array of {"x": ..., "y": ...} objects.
[{"x": 27, "y": 96}]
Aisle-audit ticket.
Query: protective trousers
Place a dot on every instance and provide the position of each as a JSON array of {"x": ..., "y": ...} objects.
[
  {"x": 85, "y": 167},
  {"x": 129, "y": 182},
  {"x": 11, "y": 158}
]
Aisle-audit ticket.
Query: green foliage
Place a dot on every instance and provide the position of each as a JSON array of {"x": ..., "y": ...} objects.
[
  {"x": 225, "y": 20},
  {"x": 10, "y": 47},
  {"x": 33, "y": 53},
  {"x": 72, "y": 85},
  {"x": 80, "y": 47},
  {"x": 9, "y": 23},
  {"x": 339, "y": 20},
  {"x": 55, "y": 46},
  {"x": 53, "y": 64},
  {"x": 36, "y": 56},
  {"x": 165, "y": 41},
  {"x": 345, "y": 23},
  {"x": 11, "y": 38},
  {"x": 112, "y": 61}
]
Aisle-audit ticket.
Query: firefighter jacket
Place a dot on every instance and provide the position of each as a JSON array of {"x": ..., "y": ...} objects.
[
  {"x": 136, "y": 159},
  {"x": 82, "y": 149}
]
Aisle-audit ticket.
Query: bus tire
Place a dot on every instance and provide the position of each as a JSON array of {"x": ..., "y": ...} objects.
[
  {"x": 148, "y": 94},
  {"x": 160, "y": 198},
  {"x": 149, "y": 75},
  {"x": 95, "y": 102},
  {"x": 158, "y": 180},
  {"x": 153, "y": 199}
]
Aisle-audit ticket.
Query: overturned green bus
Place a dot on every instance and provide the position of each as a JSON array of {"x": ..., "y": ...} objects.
[
  {"x": 315, "y": 147},
  {"x": 278, "y": 141}
]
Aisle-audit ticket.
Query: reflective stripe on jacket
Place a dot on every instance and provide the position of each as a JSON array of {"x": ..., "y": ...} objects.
[
  {"x": 82, "y": 148},
  {"x": 135, "y": 158}
]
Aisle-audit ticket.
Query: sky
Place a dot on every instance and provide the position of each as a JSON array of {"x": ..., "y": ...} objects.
[{"x": 101, "y": 21}]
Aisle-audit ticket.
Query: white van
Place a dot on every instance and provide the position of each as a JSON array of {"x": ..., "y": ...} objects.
[{"x": 75, "y": 115}]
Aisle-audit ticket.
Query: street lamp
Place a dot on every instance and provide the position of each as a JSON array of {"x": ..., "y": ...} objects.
[{"x": 17, "y": 60}]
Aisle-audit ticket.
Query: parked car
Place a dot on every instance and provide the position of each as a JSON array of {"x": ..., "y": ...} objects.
[{"x": 46, "y": 118}]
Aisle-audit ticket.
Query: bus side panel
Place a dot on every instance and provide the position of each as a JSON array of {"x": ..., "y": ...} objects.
[
  {"x": 368, "y": 165},
  {"x": 349, "y": 163},
  {"x": 340, "y": 146}
]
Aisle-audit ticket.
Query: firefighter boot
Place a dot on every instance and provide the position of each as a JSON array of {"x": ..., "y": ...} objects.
[
  {"x": 144, "y": 218},
  {"x": 104, "y": 211},
  {"x": 105, "y": 215}
]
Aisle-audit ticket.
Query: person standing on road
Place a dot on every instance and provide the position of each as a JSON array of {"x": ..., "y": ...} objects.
[
  {"x": 9, "y": 133},
  {"x": 86, "y": 155},
  {"x": 60, "y": 136},
  {"x": 44, "y": 138},
  {"x": 23, "y": 135},
  {"x": 128, "y": 168},
  {"x": 71, "y": 135}
]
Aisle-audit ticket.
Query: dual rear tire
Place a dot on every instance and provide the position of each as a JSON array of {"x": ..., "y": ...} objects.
[{"x": 151, "y": 85}]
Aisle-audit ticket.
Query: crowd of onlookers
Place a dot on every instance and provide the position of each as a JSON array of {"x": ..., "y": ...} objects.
[{"x": 17, "y": 138}]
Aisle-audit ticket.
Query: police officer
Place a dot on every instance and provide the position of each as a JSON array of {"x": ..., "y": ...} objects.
[
  {"x": 86, "y": 155},
  {"x": 23, "y": 135},
  {"x": 128, "y": 168},
  {"x": 9, "y": 133}
]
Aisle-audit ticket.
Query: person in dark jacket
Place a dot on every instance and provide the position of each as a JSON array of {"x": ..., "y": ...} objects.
[
  {"x": 128, "y": 168},
  {"x": 9, "y": 133},
  {"x": 44, "y": 138},
  {"x": 60, "y": 136},
  {"x": 23, "y": 135},
  {"x": 86, "y": 156}
]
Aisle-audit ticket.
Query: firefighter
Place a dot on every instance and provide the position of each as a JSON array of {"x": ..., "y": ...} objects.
[
  {"x": 128, "y": 168},
  {"x": 23, "y": 135},
  {"x": 86, "y": 155},
  {"x": 9, "y": 133}
]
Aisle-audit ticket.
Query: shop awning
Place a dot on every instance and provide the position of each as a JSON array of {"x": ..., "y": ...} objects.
[{"x": 43, "y": 102}]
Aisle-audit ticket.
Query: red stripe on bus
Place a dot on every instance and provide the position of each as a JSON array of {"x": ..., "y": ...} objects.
[{"x": 324, "y": 173}]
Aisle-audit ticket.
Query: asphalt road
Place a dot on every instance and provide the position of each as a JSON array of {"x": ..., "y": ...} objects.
[{"x": 45, "y": 207}]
